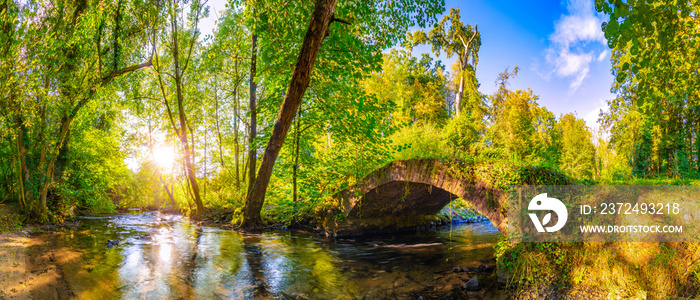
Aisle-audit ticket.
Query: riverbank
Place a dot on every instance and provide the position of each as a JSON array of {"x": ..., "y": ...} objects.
[
  {"x": 67, "y": 260},
  {"x": 61, "y": 262},
  {"x": 32, "y": 266},
  {"x": 31, "y": 269}
]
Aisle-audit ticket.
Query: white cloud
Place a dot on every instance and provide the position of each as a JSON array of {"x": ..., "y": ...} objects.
[
  {"x": 573, "y": 29},
  {"x": 603, "y": 55},
  {"x": 575, "y": 34},
  {"x": 591, "y": 117},
  {"x": 572, "y": 65}
]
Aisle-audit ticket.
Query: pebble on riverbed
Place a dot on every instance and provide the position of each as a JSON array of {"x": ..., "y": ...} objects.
[
  {"x": 112, "y": 243},
  {"x": 472, "y": 284}
]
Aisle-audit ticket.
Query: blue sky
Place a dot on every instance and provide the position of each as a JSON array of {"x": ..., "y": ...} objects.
[{"x": 558, "y": 46}]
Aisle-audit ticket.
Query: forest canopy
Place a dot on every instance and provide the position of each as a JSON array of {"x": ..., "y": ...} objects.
[{"x": 126, "y": 103}]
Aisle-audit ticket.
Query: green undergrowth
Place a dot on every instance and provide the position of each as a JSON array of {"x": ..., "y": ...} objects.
[
  {"x": 653, "y": 181},
  {"x": 459, "y": 207},
  {"x": 618, "y": 270},
  {"x": 9, "y": 218}
]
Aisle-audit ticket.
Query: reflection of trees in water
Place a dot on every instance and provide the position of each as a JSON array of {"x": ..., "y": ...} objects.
[
  {"x": 214, "y": 265},
  {"x": 254, "y": 257},
  {"x": 184, "y": 260},
  {"x": 190, "y": 264},
  {"x": 312, "y": 270}
]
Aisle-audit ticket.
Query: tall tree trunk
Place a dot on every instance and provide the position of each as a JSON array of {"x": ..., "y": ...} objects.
[
  {"x": 318, "y": 28},
  {"x": 295, "y": 170},
  {"x": 189, "y": 159},
  {"x": 236, "y": 160},
  {"x": 463, "y": 68},
  {"x": 20, "y": 171},
  {"x": 23, "y": 170},
  {"x": 218, "y": 130},
  {"x": 460, "y": 92},
  {"x": 236, "y": 148},
  {"x": 252, "y": 155},
  {"x": 245, "y": 165},
  {"x": 205, "y": 163}
]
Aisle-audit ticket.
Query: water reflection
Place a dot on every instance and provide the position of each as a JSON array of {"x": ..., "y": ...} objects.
[{"x": 169, "y": 257}]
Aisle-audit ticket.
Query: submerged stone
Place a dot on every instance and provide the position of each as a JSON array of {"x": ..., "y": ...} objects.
[{"x": 472, "y": 284}]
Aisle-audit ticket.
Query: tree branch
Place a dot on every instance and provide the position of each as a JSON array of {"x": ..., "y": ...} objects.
[
  {"x": 194, "y": 37},
  {"x": 334, "y": 19},
  {"x": 165, "y": 96},
  {"x": 129, "y": 69}
]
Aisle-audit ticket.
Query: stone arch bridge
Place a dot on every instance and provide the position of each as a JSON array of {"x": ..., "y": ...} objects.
[{"x": 404, "y": 192}]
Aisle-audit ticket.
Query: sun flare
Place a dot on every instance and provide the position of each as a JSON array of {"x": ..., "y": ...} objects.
[{"x": 164, "y": 157}]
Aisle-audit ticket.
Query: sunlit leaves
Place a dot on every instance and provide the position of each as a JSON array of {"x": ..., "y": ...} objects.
[
  {"x": 661, "y": 37},
  {"x": 655, "y": 61},
  {"x": 577, "y": 150}
]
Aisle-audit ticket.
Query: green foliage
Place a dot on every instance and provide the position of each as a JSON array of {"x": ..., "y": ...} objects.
[
  {"x": 463, "y": 41},
  {"x": 524, "y": 129},
  {"x": 657, "y": 42},
  {"x": 577, "y": 150},
  {"x": 654, "y": 44},
  {"x": 463, "y": 135},
  {"x": 10, "y": 219},
  {"x": 418, "y": 141},
  {"x": 414, "y": 89}
]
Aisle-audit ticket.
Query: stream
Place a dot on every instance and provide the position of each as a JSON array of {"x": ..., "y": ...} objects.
[{"x": 161, "y": 256}]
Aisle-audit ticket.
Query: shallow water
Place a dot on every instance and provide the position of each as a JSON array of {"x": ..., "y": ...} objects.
[{"x": 167, "y": 256}]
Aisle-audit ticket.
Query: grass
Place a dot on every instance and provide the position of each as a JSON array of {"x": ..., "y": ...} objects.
[{"x": 627, "y": 270}]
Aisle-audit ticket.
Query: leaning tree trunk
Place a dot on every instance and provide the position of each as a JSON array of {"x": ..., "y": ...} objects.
[{"x": 316, "y": 32}]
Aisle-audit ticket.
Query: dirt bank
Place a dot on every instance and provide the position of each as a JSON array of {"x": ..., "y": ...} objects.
[{"x": 28, "y": 269}]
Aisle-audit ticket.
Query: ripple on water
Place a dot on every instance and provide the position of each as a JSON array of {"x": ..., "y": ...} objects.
[{"x": 166, "y": 256}]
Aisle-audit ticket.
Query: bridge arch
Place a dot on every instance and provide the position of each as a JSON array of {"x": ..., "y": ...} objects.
[{"x": 420, "y": 187}]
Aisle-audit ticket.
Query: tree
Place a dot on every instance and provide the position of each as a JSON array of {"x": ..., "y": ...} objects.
[
  {"x": 519, "y": 127},
  {"x": 229, "y": 66},
  {"x": 181, "y": 58},
  {"x": 659, "y": 43},
  {"x": 71, "y": 53},
  {"x": 655, "y": 61},
  {"x": 318, "y": 26},
  {"x": 252, "y": 149},
  {"x": 367, "y": 34},
  {"x": 577, "y": 150},
  {"x": 459, "y": 39},
  {"x": 414, "y": 89}
]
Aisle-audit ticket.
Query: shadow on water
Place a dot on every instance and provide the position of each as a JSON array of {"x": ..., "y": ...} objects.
[{"x": 166, "y": 256}]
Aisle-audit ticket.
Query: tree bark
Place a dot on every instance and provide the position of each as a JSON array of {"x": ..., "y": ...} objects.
[
  {"x": 189, "y": 165},
  {"x": 316, "y": 32},
  {"x": 464, "y": 63},
  {"x": 458, "y": 98},
  {"x": 218, "y": 128},
  {"x": 235, "y": 139},
  {"x": 295, "y": 170},
  {"x": 252, "y": 155},
  {"x": 206, "y": 144}
]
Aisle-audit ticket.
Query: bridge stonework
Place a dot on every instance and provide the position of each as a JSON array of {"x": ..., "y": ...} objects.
[{"x": 407, "y": 191}]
